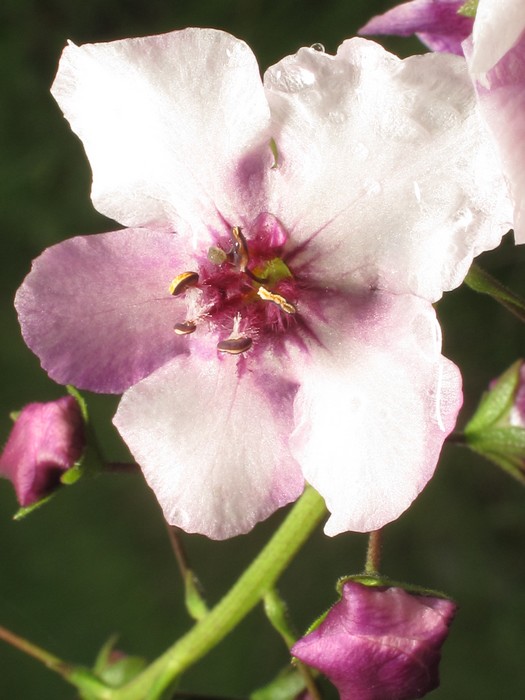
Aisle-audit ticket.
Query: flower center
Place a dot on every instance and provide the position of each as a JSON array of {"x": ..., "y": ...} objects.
[{"x": 245, "y": 293}]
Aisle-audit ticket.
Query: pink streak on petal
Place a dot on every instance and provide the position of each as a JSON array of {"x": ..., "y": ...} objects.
[
  {"x": 376, "y": 402},
  {"x": 212, "y": 441},
  {"x": 378, "y": 643},
  {"x": 46, "y": 440},
  {"x": 436, "y": 23},
  {"x": 97, "y": 310}
]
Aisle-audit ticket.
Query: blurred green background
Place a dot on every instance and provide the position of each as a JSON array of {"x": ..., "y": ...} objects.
[{"x": 97, "y": 559}]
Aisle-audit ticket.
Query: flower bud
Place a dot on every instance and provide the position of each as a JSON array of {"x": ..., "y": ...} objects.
[
  {"x": 379, "y": 643},
  {"x": 497, "y": 428},
  {"x": 45, "y": 441}
]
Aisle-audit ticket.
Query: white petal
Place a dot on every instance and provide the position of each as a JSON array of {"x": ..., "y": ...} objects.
[
  {"x": 385, "y": 166},
  {"x": 169, "y": 124},
  {"x": 502, "y": 102},
  {"x": 497, "y": 28},
  {"x": 373, "y": 410},
  {"x": 212, "y": 440}
]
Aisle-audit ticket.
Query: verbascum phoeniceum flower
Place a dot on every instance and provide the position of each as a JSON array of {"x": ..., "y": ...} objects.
[
  {"x": 267, "y": 311},
  {"x": 494, "y": 45}
]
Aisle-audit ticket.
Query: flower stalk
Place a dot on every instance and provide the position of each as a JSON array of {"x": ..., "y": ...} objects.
[
  {"x": 373, "y": 553},
  {"x": 236, "y": 604}
]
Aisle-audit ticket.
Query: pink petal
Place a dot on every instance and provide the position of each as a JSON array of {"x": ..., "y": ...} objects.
[
  {"x": 376, "y": 402},
  {"x": 436, "y": 23},
  {"x": 170, "y": 125},
  {"x": 498, "y": 26},
  {"x": 46, "y": 440},
  {"x": 385, "y": 167},
  {"x": 379, "y": 644},
  {"x": 211, "y": 438},
  {"x": 97, "y": 309},
  {"x": 502, "y": 101}
]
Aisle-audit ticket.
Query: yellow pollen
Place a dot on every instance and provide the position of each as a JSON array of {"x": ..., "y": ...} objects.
[
  {"x": 181, "y": 283},
  {"x": 276, "y": 299}
]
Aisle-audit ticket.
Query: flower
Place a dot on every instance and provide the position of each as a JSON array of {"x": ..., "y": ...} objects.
[
  {"x": 496, "y": 57},
  {"x": 267, "y": 313},
  {"x": 379, "y": 643},
  {"x": 441, "y": 26},
  {"x": 45, "y": 441},
  {"x": 436, "y": 23}
]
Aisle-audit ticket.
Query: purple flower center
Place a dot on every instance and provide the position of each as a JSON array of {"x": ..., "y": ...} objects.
[{"x": 243, "y": 290}]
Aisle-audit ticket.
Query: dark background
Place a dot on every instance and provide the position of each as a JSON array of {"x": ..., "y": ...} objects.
[{"x": 97, "y": 560}]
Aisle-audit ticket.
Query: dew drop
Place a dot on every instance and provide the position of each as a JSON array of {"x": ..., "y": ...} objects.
[{"x": 318, "y": 47}]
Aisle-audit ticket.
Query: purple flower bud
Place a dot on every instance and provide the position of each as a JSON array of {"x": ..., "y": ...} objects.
[
  {"x": 379, "y": 643},
  {"x": 46, "y": 440}
]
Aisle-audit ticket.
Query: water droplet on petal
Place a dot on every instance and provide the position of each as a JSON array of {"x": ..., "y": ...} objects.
[
  {"x": 372, "y": 187},
  {"x": 361, "y": 151},
  {"x": 318, "y": 47}
]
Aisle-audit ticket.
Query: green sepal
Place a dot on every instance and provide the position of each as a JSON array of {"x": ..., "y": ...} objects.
[
  {"x": 480, "y": 280},
  {"x": 116, "y": 673},
  {"x": 23, "y": 511},
  {"x": 505, "y": 447},
  {"x": 469, "y": 9},
  {"x": 193, "y": 598},
  {"x": 75, "y": 393},
  {"x": 496, "y": 403},
  {"x": 91, "y": 463},
  {"x": 276, "y": 611}
]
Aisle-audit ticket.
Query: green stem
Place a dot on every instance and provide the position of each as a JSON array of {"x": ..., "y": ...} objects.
[
  {"x": 373, "y": 553},
  {"x": 481, "y": 281},
  {"x": 45, "y": 657},
  {"x": 260, "y": 576},
  {"x": 76, "y": 675}
]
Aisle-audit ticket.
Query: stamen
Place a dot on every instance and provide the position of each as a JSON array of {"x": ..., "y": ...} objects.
[
  {"x": 234, "y": 346},
  {"x": 181, "y": 283},
  {"x": 217, "y": 255},
  {"x": 240, "y": 248},
  {"x": 286, "y": 306},
  {"x": 185, "y": 328}
]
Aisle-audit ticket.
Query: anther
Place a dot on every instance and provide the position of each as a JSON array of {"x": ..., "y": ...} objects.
[
  {"x": 217, "y": 255},
  {"x": 240, "y": 248},
  {"x": 234, "y": 346},
  {"x": 181, "y": 283},
  {"x": 185, "y": 328},
  {"x": 286, "y": 306}
]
